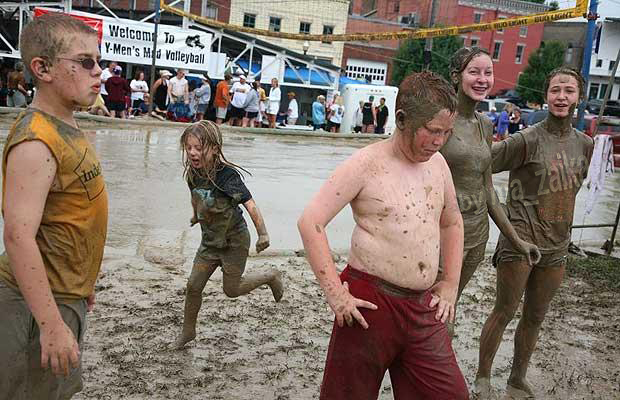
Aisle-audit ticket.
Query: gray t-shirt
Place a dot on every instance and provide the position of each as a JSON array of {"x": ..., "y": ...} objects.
[
  {"x": 469, "y": 157},
  {"x": 546, "y": 172}
]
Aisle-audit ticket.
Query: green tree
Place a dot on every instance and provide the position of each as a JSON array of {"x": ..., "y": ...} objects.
[
  {"x": 410, "y": 57},
  {"x": 547, "y": 57},
  {"x": 554, "y": 6}
]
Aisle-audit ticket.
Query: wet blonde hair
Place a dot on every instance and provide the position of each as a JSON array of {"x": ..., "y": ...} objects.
[{"x": 209, "y": 136}]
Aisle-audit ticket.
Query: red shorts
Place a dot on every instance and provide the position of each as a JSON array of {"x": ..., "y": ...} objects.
[{"x": 403, "y": 337}]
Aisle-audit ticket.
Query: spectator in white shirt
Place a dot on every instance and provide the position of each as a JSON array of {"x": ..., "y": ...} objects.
[
  {"x": 239, "y": 92},
  {"x": 138, "y": 89},
  {"x": 105, "y": 75},
  {"x": 178, "y": 88},
  {"x": 293, "y": 110},
  {"x": 336, "y": 111},
  {"x": 203, "y": 95},
  {"x": 273, "y": 103}
]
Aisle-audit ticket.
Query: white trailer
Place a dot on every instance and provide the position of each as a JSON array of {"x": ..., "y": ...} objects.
[{"x": 352, "y": 95}]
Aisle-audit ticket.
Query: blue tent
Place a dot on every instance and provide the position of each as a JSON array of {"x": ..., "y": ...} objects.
[{"x": 317, "y": 78}]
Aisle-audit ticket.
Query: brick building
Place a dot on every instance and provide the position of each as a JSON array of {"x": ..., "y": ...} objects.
[{"x": 510, "y": 48}]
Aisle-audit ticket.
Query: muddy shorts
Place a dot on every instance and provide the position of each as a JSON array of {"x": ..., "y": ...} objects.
[
  {"x": 21, "y": 377},
  {"x": 234, "y": 255},
  {"x": 505, "y": 252},
  {"x": 403, "y": 337}
]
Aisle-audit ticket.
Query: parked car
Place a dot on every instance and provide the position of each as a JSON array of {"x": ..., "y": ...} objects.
[
  {"x": 511, "y": 96},
  {"x": 612, "y": 108},
  {"x": 608, "y": 126},
  {"x": 486, "y": 105}
]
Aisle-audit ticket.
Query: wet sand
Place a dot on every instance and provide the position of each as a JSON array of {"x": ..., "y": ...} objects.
[{"x": 254, "y": 348}]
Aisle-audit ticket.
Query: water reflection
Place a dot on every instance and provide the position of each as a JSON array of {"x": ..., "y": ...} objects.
[{"x": 150, "y": 202}]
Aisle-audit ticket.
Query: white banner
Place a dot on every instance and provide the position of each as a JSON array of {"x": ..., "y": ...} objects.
[{"x": 131, "y": 41}]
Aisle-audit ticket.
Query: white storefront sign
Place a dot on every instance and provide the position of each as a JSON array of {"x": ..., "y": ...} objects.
[{"x": 125, "y": 40}]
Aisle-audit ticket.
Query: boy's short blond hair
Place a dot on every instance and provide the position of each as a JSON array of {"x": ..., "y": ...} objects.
[{"x": 46, "y": 37}]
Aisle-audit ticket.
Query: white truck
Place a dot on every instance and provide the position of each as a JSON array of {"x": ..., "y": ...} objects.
[{"x": 352, "y": 95}]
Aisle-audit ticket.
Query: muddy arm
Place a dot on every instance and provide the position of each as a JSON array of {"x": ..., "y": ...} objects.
[
  {"x": 257, "y": 217},
  {"x": 496, "y": 211},
  {"x": 338, "y": 191}
]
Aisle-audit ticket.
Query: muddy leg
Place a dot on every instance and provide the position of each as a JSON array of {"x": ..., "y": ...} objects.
[
  {"x": 541, "y": 287},
  {"x": 511, "y": 280},
  {"x": 193, "y": 300},
  {"x": 471, "y": 260},
  {"x": 236, "y": 284}
]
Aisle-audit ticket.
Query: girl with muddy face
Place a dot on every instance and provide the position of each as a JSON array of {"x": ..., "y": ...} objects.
[
  {"x": 217, "y": 190},
  {"x": 548, "y": 162},
  {"x": 468, "y": 154}
]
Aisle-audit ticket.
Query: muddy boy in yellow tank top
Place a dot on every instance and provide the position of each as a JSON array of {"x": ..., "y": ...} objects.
[{"x": 55, "y": 209}]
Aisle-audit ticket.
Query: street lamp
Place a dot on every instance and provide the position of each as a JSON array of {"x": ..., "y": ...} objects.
[{"x": 306, "y": 46}]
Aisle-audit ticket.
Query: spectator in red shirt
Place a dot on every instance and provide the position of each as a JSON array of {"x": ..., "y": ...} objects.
[{"x": 117, "y": 88}]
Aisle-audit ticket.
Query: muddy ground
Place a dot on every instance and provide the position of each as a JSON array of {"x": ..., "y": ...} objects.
[{"x": 254, "y": 348}]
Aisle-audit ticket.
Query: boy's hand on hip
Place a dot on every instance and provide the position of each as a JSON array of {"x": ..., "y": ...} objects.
[
  {"x": 262, "y": 243},
  {"x": 344, "y": 306},
  {"x": 444, "y": 298},
  {"x": 59, "y": 348}
]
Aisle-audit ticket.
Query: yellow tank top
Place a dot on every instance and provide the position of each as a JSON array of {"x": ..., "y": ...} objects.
[{"x": 73, "y": 228}]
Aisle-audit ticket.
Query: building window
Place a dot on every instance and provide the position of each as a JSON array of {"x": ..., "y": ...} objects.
[
  {"x": 501, "y": 30},
  {"x": 497, "y": 49},
  {"x": 474, "y": 42},
  {"x": 601, "y": 93},
  {"x": 397, "y": 6},
  {"x": 611, "y": 64},
  {"x": 249, "y": 20},
  {"x": 568, "y": 57},
  {"x": 208, "y": 11},
  {"x": 328, "y": 29},
  {"x": 599, "y": 63},
  {"x": 593, "y": 91},
  {"x": 523, "y": 31},
  {"x": 304, "y": 27},
  {"x": 519, "y": 54},
  {"x": 478, "y": 17},
  {"x": 275, "y": 24},
  {"x": 370, "y": 71}
]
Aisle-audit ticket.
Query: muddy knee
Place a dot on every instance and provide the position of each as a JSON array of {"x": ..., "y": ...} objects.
[
  {"x": 232, "y": 289},
  {"x": 505, "y": 313},
  {"x": 534, "y": 318}
]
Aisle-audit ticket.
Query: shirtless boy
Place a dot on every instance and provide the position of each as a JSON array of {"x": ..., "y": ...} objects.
[
  {"x": 55, "y": 210},
  {"x": 390, "y": 314}
]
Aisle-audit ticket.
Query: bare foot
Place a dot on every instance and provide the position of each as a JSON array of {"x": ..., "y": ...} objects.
[
  {"x": 183, "y": 339},
  {"x": 277, "y": 288},
  {"x": 519, "y": 389},
  {"x": 483, "y": 389}
]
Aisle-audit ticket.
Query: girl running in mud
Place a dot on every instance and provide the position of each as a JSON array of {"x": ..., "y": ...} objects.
[{"x": 217, "y": 190}]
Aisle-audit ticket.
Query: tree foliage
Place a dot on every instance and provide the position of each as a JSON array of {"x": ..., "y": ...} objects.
[
  {"x": 547, "y": 57},
  {"x": 410, "y": 57},
  {"x": 554, "y": 6}
]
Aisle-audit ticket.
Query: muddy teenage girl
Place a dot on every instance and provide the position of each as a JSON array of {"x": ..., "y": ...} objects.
[
  {"x": 548, "y": 162},
  {"x": 217, "y": 190},
  {"x": 468, "y": 154}
]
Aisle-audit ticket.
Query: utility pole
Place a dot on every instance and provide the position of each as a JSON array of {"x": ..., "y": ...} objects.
[
  {"x": 587, "y": 57},
  {"x": 152, "y": 99},
  {"x": 428, "y": 47}
]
